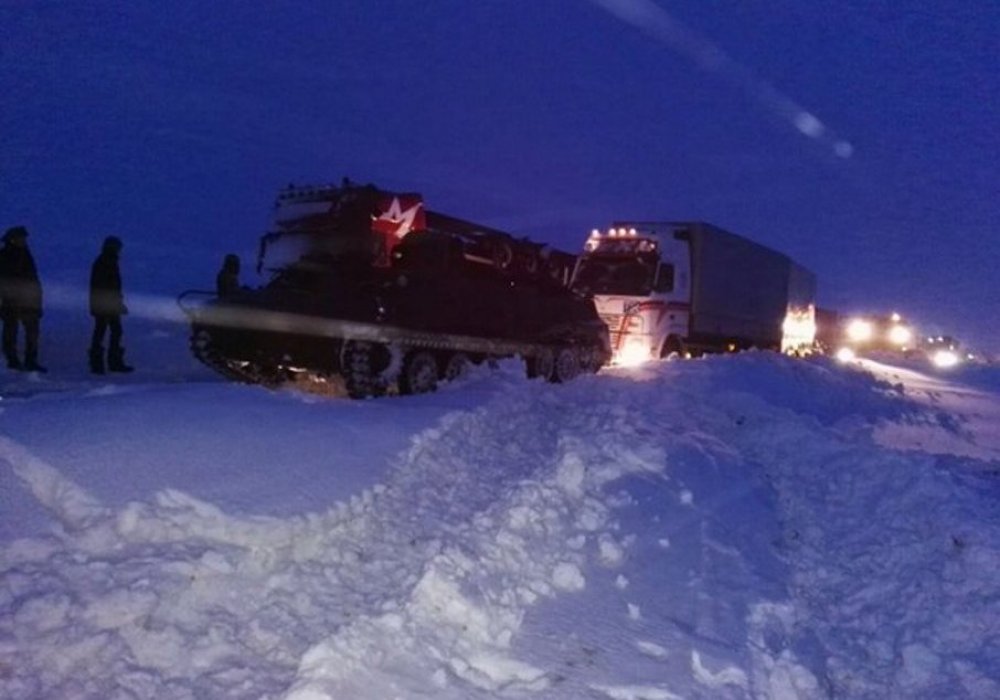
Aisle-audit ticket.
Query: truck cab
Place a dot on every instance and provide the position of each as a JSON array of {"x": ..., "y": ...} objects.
[{"x": 640, "y": 279}]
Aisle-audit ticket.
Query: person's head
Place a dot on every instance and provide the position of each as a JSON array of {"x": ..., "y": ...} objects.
[
  {"x": 16, "y": 235},
  {"x": 112, "y": 244},
  {"x": 231, "y": 263}
]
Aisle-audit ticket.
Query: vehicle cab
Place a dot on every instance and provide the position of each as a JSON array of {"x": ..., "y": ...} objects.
[{"x": 639, "y": 276}]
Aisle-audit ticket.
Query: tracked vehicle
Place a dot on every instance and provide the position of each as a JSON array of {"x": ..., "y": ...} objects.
[{"x": 371, "y": 290}]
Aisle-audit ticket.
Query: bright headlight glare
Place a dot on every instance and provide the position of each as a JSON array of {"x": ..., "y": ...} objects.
[
  {"x": 944, "y": 359},
  {"x": 860, "y": 330},
  {"x": 845, "y": 355},
  {"x": 900, "y": 335},
  {"x": 635, "y": 324},
  {"x": 634, "y": 353}
]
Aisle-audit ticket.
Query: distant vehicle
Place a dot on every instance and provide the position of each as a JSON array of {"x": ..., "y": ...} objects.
[
  {"x": 690, "y": 287},
  {"x": 874, "y": 333},
  {"x": 369, "y": 287},
  {"x": 943, "y": 351}
]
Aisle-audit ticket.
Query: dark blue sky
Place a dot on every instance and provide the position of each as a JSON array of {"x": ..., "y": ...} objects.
[{"x": 173, "y": 124}]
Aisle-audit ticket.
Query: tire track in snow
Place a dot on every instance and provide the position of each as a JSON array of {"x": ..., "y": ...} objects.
[{"x": 898, "y": 591}]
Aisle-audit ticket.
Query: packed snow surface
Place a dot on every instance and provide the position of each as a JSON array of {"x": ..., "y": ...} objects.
[{"x": 739, "y": 527}]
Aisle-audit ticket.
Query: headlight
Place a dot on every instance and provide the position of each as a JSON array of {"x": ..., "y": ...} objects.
[
  {"x": 945, "y": 358},
  {"x": 900, "y": 335},
  {"x": 845, "y": 355},
  {"x": 635, "y": 352},
  {"x": 860, "y": 330}
]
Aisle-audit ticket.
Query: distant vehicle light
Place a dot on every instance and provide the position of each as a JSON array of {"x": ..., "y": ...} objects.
[
  {"x": 896, "y": 318},
  {"x": 900, "y": 335},
  {"x": 860, "y": 330},
  {"x": 945, "y": 359},
  {"x": 845, "y": 355}
]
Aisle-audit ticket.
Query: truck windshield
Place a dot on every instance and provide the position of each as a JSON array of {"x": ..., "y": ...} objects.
[{"x": 631, "y": 276}]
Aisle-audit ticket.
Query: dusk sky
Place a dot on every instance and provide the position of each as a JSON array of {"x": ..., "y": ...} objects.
[{"x": 860, "y": 138}]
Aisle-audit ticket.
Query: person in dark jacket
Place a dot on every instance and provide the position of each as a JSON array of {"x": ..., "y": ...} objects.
[
  {"x": 20, "y": 299},
  {"x": 228, "y": 280},
  {"x": 107, "y": 306}
]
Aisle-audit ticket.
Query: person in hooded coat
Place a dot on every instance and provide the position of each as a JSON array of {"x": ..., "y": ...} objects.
[
  {"x": 20, "y": 300},
  {"x": 227, "y": 281},
  {"x": 107, "y": 306}
]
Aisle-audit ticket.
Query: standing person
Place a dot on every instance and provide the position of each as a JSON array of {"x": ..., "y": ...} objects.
[
  {"x": 107, "y": 306},
  {"x": 228, "y": 280},
  {"x": 20, "y": 299}
]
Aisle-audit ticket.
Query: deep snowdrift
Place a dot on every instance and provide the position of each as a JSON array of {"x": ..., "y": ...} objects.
[{"x": 737, "y": 527}]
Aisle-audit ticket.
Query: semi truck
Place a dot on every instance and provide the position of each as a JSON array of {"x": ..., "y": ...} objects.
[
  {"x": 689, "y": 287},
  {"x": 370, "y": 289}
]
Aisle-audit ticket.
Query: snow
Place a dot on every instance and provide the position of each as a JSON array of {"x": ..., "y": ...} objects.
[{"x": 734, "y": 527}]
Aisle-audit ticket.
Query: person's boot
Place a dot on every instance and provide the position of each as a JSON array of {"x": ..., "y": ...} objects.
[
  {"x": 97, "y": 359},
  {"x": 31, "y": 364},
  {"x": 116, "y": 360},
  {"x": 11, "y": 354}
]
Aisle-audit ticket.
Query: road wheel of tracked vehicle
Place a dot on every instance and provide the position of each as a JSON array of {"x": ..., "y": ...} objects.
[
  {"x": 361, "y": 364},
  {"x": 542, "y": 365},
  {"x": 567, "y": 365},
  {"x": 591, "y": 359},
  {"x": 420, "y": 373},
  {"x": 455, "y": 365}
]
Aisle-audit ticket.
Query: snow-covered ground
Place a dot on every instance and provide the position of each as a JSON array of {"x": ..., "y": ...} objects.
[{"x": 734, "y": 527}]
